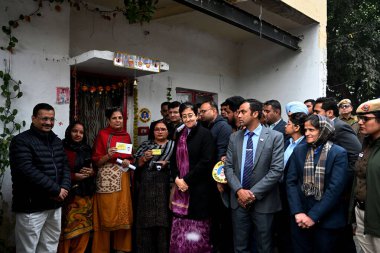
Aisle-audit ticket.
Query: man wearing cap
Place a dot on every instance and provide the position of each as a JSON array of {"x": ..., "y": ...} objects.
[
  {"x": 367, "y": 180},
  {"x": 296, "y": 106},
  {"x": 345, "y": 114}
]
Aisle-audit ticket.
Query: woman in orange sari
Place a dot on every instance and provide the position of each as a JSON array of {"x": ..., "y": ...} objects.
[{"x": 112, "y": 200}]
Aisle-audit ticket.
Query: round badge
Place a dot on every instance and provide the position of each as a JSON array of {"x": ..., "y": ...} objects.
[
  {"x": 218, "y": 173},
  {"x": 144, "y": 115}
]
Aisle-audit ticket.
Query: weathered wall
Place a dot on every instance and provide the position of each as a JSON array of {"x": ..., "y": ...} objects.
[{"x": 39, "y": 63}]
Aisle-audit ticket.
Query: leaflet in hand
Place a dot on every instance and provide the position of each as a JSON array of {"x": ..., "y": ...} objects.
[{"x": 124, "y": 148}]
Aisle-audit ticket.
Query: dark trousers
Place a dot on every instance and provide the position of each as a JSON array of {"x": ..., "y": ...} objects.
[
  {"x": 346, "y": 240},
  {"x": 221, "y": 228},
  {"x": 281, "y": 224},
  {"x": 244, "y": 222},
  {"x": 314, "y": 239}
]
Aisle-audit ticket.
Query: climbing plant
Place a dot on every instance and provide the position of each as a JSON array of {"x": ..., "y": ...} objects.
[{"x": 135, "y": 11}]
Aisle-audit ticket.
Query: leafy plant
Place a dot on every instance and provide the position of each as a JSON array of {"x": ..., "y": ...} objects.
[
  {"x": 10, "y": 89},
  {"x": 353, "y": 49}
]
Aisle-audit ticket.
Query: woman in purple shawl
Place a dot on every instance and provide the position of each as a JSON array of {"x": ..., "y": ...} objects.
[{"x": 192, "y": 198}]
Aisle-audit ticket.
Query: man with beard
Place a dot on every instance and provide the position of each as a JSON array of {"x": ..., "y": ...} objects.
[
  {"x": 221, "y": 224},
  {"x": 232, "y": 106},
  {"x": 254, "y": 165}
]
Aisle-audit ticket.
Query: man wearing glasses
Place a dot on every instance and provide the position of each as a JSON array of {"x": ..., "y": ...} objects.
[
  {"x": 345, "y": 114},
  {"x": 40, "y": 182},
  {"x": 367, "y": 180}
]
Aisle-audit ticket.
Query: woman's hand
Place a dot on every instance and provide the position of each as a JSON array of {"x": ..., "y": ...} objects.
[
  {"x": 181, "y": 184},
  {"x": 148, "y": 155},
  {"x": 87, "y": 171},
  {"x": 111, "y": 152},
  {"x": 125, "y": 163},
  {"x": 80, "y": 176},
  {"x": 303, "y": 220}
]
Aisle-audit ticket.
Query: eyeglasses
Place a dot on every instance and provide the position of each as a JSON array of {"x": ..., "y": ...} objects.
[
  {"x": 203, "y": 111},
  {"x": 365, "y": 118},
  {"x": 160, "y": 129},
  {"x": 344, "y": 106},
  {"x": 45, "y": 119},
  {"x": 188, "y": 116}
]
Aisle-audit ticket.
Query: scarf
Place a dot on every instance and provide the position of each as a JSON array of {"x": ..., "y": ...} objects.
[
  {"x": 314, "y": 178},
  {"x": 180, "y": 202},
  {"x": 82, "y": 149}
]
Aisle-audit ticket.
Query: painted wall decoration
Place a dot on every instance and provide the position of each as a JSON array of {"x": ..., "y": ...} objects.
[
  {"x": 136, "y": 62},
  {"x": 63, "y": 95},
  {"x": 144, "y": 115}
]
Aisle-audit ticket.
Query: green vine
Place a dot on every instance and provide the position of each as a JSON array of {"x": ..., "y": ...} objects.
[
  {"x": 135, "y": 115},
  {"x": 135, "y": 11},
  {"x": 169, "y": 94}
]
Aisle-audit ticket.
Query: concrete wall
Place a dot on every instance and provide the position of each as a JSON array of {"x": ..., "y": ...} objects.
[
  {"x": 315, "y": 9},
  {"x": 256, "y": 68},
  {"x": 269, "y": 71},
  {"x": 197, "y": 60},
  {"x": 39, "y": 62}
]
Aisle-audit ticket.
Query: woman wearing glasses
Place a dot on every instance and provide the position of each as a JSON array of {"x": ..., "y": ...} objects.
[
  {"x": 315, "y": 181},
  {"x": 193, "y": 191},
  {"x": 367, "y": 180},
  {"x": 152, "y": 179}
]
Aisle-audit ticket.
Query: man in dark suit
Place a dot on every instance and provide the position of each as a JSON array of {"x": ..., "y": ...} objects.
[
  {"x": 272, "y": 115},
  {"x": 346, "y": 138},
  {"x": 254, "y": 165}
]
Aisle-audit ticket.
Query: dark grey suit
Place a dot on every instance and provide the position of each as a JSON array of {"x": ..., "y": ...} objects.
[
  {"x": 346, "y": 138},
  {"x": 268, "y": 168}
]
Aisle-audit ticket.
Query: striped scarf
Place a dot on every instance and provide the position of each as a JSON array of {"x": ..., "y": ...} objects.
[{"x": 314, "y": 179}]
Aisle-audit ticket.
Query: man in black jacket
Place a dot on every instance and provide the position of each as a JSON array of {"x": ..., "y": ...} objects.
[
  {"x": 221, "y": 221},
  {"x": 41, "y": 181}
]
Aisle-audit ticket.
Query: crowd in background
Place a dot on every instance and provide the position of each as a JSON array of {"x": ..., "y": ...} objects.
[{"x": 305, "y": 185}]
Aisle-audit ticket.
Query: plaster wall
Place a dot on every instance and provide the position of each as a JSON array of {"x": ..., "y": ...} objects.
[
  {"x": 40, "y": 58},
  {"x": 269, "y": 71},
  {"x": 39, "y": 61},
  {"x": 197, "y": 60},
  {"x": 315, "y": 9}
]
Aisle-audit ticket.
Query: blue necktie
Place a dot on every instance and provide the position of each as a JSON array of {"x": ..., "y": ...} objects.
[{"x": 248, "y": 163}]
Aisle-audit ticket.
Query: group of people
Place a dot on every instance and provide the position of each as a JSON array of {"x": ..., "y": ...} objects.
[{"x": 297, "y": 186}]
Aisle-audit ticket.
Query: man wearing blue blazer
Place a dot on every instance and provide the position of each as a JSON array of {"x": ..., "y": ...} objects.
[{"x": 254, "y": 165}]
